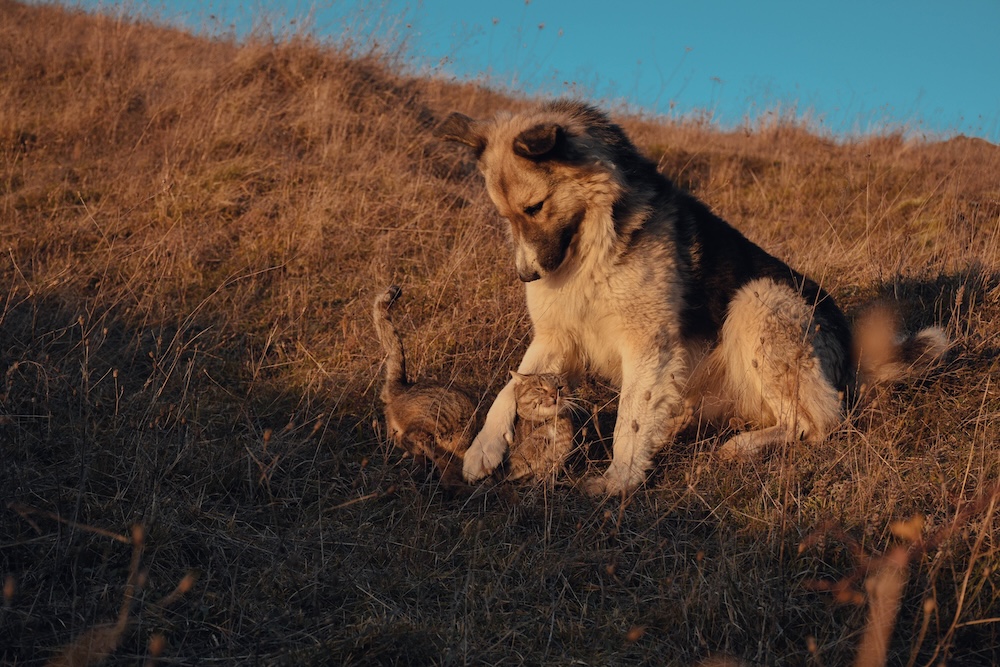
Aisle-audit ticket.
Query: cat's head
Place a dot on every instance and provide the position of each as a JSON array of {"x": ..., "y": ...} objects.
[{"x": 539, "y": 396}]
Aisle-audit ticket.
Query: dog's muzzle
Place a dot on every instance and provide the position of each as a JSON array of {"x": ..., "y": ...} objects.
[
  {"x": 528, "y": 275},
  {"x": 527, "y": 264}
]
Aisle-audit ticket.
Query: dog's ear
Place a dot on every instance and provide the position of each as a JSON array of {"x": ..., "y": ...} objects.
[
  {"x": 459, "y": 127},
  {"x": 538, "y": 141}
]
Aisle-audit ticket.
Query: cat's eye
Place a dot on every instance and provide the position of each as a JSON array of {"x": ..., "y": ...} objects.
[{"x": 533, "y": 209}]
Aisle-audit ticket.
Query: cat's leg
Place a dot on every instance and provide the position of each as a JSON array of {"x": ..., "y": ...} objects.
[
  {"x": 449, "y": 465},
  {"x": 490, "y": 444}
]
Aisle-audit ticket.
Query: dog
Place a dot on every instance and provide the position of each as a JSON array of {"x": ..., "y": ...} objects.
[{"x": 633, "y": 279}]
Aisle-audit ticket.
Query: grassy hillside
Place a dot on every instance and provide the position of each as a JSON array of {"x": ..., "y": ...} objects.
[{"x": 192, "y": 232}]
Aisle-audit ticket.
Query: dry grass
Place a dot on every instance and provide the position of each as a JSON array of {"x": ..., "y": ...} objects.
[{"x": 191, "y": 232}]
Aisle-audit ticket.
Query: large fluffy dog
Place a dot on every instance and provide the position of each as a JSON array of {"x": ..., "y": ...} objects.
[{"x": 633, "y": 279}]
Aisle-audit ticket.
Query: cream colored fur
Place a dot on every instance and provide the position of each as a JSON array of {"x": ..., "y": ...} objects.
[{"x": 611, "y": 303}]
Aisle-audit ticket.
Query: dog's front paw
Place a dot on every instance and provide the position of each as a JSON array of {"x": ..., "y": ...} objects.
[
  {"x": 616, "y": 480},
  {"x": 484, "y": 455}
]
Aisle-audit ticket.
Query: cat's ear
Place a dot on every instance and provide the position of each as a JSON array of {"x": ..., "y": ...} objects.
[{"x": 516, "y": 377}]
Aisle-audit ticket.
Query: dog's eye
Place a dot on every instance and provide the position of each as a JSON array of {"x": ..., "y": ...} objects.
[{"x": 533, "y": 209}]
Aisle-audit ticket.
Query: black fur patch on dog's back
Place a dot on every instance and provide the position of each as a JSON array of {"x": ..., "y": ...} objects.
[{"x": 720, "y": 260}]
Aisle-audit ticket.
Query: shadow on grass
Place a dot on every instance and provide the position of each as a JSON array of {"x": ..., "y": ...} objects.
[{"x": 104, "y": 425}]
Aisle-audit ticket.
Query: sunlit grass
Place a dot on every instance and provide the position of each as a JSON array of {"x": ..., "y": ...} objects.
[{"x": 192, "y": 232}]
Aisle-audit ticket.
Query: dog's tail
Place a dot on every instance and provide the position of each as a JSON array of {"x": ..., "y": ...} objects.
[
  {"x": 392, "y": 345},
  {"x": 883, "y": 354}
]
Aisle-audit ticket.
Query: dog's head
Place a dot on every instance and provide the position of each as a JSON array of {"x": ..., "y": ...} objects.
[{"x": 546, "y": 172}]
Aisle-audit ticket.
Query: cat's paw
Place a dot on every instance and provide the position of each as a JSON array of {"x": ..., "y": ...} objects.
[{"x": 484, "y": 455}]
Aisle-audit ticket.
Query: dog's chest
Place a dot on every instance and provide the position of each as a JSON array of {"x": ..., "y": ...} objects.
[{"x": 585, "y": 321}]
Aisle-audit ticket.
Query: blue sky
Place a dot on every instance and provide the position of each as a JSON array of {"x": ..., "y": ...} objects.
[{"x": 852, "y": 66}]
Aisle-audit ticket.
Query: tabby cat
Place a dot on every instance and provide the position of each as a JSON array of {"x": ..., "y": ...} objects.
[
  {"x": 430, "y": 420},
  {"x": 543, "y": 430}
]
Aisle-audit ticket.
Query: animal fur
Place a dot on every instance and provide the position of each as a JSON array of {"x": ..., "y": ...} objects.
[
  {"x": 543, "y": 430},
  {"x": 429, "y": 420},
  {"x": 633, "y": 279}
]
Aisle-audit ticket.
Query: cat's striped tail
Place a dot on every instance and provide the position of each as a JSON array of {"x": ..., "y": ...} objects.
[{"x": 392, "y": 345}]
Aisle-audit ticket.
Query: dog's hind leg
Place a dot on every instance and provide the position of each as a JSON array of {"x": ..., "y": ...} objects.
[
  {"x": 770, "y": 350},
  {"x": 750, "y": 444}
]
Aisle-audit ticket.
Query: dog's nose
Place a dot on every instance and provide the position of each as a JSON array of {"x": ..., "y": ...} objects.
[{"x": 528, "y": 275}]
